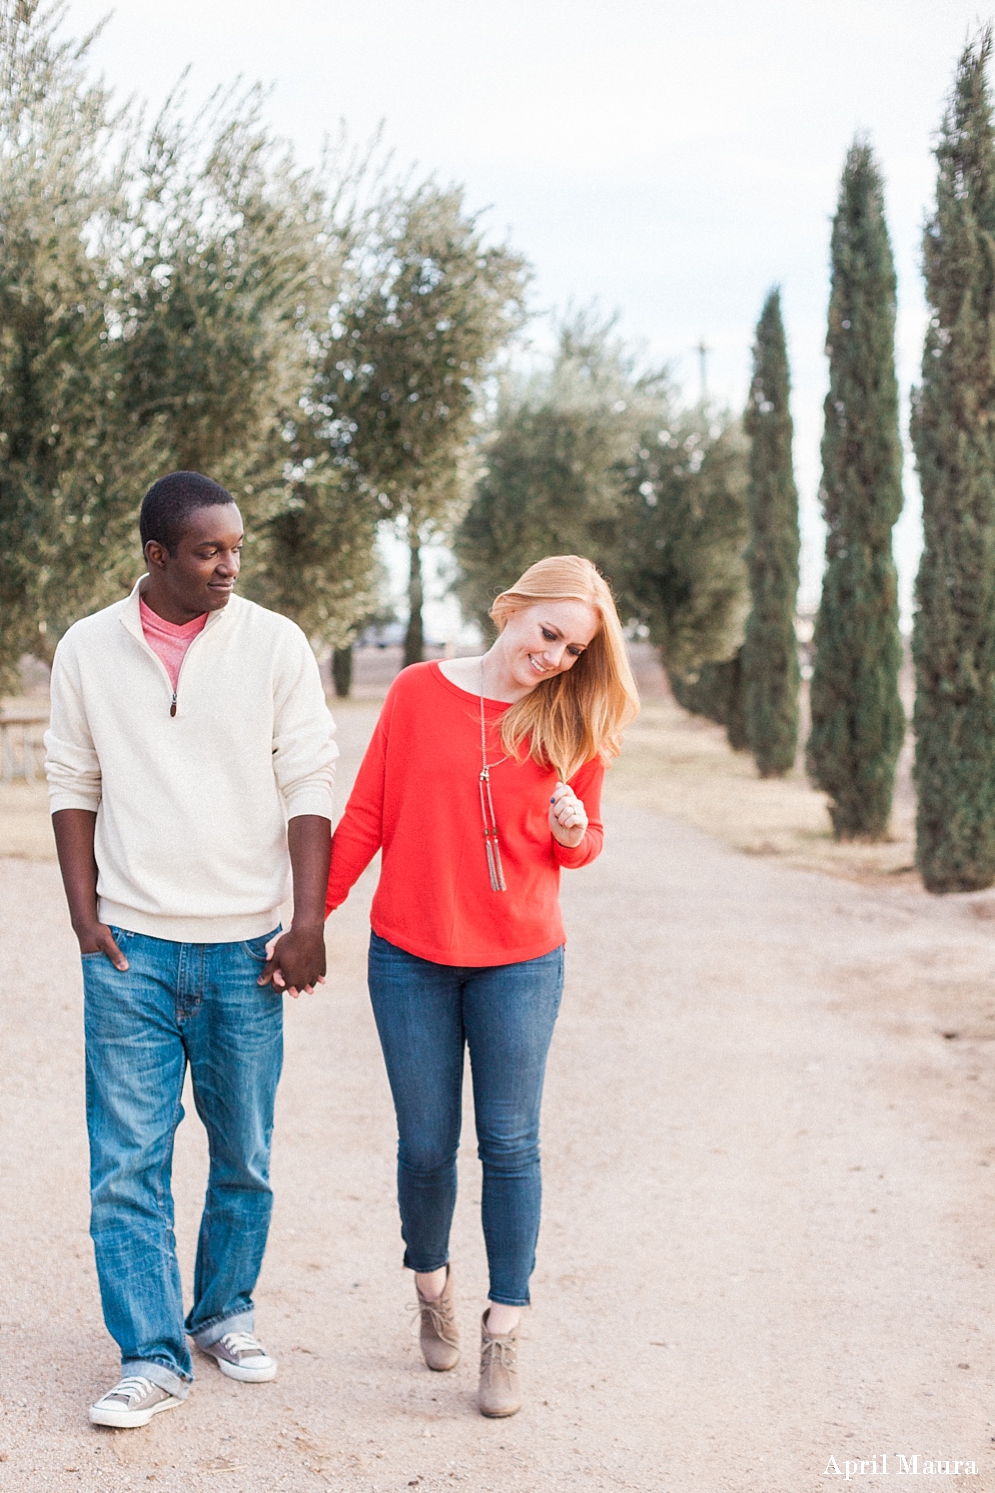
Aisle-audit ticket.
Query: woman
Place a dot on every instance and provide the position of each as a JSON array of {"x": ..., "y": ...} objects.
[{"x": 482, "y": 779}]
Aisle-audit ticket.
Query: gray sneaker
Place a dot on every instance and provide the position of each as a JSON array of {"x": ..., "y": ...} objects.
[
  {"x": 132, "y": 1402},
  {"x": 241, "y": 1356}
]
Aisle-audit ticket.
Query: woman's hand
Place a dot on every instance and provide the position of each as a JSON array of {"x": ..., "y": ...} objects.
[{"x": 567, "y": 819}]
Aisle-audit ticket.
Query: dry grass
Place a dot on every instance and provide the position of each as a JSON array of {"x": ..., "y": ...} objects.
[
  {"x": 681, "y": 764},
  {"x": 673, "y": 762}
]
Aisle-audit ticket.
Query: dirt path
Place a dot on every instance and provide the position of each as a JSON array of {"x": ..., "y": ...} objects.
[{"x": 768, "y": 1221}]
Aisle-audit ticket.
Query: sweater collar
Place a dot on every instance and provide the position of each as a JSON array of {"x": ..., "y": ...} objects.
[{"x": 131, "y": 616}]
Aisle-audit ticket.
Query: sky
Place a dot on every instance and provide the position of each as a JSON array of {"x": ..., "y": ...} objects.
[{"x": 669, "y": 161}]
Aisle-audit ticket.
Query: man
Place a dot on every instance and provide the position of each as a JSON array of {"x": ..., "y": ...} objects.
[{"x": 190, "y": 766}]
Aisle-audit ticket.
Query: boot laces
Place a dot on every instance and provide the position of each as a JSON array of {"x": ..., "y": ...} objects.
[
  {"x": 436, "y": 1315},
  {"x": 497, "y": 1353}
]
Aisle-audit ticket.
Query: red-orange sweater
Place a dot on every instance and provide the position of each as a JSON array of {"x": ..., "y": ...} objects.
[{"x": 417, "y": 797}]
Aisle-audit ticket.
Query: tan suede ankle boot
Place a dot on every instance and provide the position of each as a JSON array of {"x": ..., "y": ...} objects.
[
  {"x": 439, "y": 1334},
  {"x": 499, "y": 1390}
]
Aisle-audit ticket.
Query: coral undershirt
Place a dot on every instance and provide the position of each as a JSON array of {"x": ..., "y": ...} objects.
[
  {"x": 417, "y": 798},
  {"x": 169, "y": 640}
]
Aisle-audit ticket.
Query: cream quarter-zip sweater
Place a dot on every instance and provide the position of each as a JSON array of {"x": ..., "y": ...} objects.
[{"x": 192, "y": 809}]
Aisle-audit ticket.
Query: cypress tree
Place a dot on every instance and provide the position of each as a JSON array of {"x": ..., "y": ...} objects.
[
  {"x": 716, "y": 692},
  {"x": 953, "y": 432},
  {"x": 770, "y": 653},
  {"x": 857, "y": 718}
]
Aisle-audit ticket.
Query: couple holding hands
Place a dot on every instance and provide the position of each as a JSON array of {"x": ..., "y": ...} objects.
[{"x": 190, "y": 761}]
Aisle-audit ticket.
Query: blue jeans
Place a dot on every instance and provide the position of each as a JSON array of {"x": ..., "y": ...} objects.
[
  {"x": 426, "y": 1014},
  {"x": 178, "y": 1003}
]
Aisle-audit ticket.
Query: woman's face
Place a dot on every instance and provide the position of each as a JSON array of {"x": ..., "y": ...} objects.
[{"x": 547, "y": 638}]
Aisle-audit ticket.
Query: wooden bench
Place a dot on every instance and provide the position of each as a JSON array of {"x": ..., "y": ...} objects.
[{"x": 22, "y": 750}]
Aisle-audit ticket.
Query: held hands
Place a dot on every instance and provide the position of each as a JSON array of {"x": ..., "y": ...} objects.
[
  {"x": 295, "y": 961},
  {"x": 567, "y": 818}
]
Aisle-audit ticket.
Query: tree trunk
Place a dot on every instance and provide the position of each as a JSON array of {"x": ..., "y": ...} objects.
[
  {"x": 414, "y": 638},
  {"x": 342, "y": 671}
]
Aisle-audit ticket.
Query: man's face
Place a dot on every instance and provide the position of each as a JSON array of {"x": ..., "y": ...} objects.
[{"x": 201, "y": 575}]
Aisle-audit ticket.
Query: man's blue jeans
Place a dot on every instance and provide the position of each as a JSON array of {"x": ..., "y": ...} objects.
[
  {"x": 426, "y": 1014},
  {"x": 178, "y": 1003}
]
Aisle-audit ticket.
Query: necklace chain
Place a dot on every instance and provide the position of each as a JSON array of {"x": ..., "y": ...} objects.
[{"x": 494, "y": 867}]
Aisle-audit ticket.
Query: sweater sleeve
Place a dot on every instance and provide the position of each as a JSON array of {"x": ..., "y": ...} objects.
[
  {"x": 304, "y": 749},
  {"x": 359, "y": 834},
  {"x": 586, "y": 783},
  {"x": 71, "y": 762}
]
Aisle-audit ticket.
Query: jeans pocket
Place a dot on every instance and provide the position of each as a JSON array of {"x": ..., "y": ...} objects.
[
  {"x": 119, "y": 935},
  {"x": 256, "y": 947}
]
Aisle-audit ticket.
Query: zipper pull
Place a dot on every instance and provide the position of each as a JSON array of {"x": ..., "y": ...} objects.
[{"x": 172, "y": 708}]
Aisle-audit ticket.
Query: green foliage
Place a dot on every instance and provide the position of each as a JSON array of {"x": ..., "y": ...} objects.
[
  {"x": 554, "y": 467},
  {"x": 590, "y": 457},
  {"x": 71, "y": 456},
  {"x": 953, "y": 432},
  {"x": 202, "y": 303},
  {"x": 680, "y": 536},
  {"x": 858, "y": 722},
  {"x": 232, "y": 263},
  {"x": 239, "y": 257},
  {"x": 770, "y": 654},
  {"x": 425, "y": 307},
  {"x": 716, "y": 692},
  {"x": 315, "y": 558}
]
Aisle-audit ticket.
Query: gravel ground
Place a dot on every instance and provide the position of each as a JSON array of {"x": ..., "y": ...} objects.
[{"x": 768, "y": 1223}]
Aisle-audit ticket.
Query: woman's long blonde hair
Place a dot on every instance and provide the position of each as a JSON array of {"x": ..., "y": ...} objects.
[{"x": 583, "y": 712}]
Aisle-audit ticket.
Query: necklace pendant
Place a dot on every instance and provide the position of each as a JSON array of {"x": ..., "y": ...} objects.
[
  {"x": 494, "y": 866},
  {"x": 495, "y": 870}
]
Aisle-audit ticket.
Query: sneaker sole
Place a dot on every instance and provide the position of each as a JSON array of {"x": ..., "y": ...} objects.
[
  {"x": 245, "y": 1375},
  {"x": 126, "y": 1420}
]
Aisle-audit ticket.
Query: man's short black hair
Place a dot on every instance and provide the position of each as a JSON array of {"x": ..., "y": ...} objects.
[{"x": 169, "y": 502}]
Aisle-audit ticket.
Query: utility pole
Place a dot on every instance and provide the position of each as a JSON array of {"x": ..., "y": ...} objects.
[{"x": 703, "y": 352}]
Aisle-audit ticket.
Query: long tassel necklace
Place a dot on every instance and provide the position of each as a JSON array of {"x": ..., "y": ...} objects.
[{"x": 494, "y": 867}]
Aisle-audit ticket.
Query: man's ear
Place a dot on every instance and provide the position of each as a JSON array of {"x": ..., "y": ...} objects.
[{"x": 156, "y": 554}]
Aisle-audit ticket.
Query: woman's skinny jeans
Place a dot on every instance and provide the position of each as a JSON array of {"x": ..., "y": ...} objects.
[{"x": 426, "y": 1014}]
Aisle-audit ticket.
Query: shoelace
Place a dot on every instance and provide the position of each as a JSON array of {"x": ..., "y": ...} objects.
[
  {"x": 440, "y": 1317},
  {"x": 133, "y": 1387},
  {"x": 242, "y": 1342},
  {"x": 496, "y": 1352}
]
